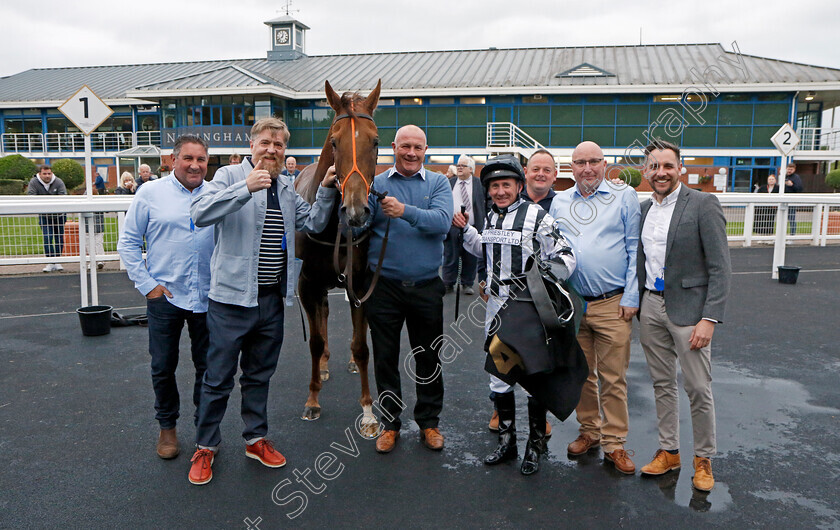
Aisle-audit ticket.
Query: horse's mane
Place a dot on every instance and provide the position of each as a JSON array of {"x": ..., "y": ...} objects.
[{"x": 308, "y": 181}]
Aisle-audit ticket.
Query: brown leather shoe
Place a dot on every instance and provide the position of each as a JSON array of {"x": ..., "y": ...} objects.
[
  {"x": 582, "y": 444},
  {"x": 621, "y": 460},
  {"x": 387, "y": 441},
  {"x": 662, "y": 462},
  {"x": 167, "y": 446},
  {"x": 703, "y": 479},
  {"x": 494, "y": 421},
  {"x": 432, "y": 438}
]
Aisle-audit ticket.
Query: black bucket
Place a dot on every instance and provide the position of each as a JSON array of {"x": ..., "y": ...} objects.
[
  {"x": 95, "y": 320},
  {"x": 788, "y": 274}
]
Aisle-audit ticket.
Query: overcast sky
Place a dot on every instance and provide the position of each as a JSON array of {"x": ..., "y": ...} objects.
[{"x": 56, "y": 33}]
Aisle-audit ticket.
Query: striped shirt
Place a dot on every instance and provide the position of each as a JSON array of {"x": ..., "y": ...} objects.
[
  {"x": 272, "y": 259},
  {"x": 510, "y": 238}
]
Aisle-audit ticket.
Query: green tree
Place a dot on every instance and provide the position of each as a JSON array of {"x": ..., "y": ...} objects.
[
  {"x": 632, "y": 176},
  {"x": 11, "y": 187},
  {"x": 69, "y": 171},
  {"x": 833, "y": 179},
  {"x": 17, "y": 167}
]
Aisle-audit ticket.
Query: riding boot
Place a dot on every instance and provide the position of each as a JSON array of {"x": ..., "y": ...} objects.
[
  {"x": 536, "y": 438},
  {"x": 506, "y": 405}
]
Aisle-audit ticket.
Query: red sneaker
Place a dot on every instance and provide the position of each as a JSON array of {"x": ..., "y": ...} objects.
[
  {"x": 263, "y": 451},
  {"x": 201, "y": 471}
]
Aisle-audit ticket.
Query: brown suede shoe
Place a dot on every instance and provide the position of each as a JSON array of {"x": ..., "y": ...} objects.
[
  {"x": 662, "y": 462},
  {"x": 387, "y": 441},
  {"x": 432, "y": 438},
  {"x": 621, "y": 460},
  {"x": 582, "y": 444},
  {"x": 703, "y": 479},
  {"x": 167, "y": 446},
  {"x": 494, "y": 421}
]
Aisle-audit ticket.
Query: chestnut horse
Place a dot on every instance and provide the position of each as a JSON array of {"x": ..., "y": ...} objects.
[{"x": 352, "y": 146}]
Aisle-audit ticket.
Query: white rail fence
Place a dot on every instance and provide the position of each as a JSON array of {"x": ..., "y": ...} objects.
[{"x": 74, "y": 142}]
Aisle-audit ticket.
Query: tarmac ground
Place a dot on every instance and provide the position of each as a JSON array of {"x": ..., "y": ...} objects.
[{"x": 77, "y": 429}]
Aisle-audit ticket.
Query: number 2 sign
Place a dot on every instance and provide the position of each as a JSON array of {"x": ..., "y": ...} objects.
[
  {"x": 85, "y": 110},
  {"x": 785, "y": 139}
]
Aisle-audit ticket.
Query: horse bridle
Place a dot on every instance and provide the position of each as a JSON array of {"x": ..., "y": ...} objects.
[{"x": 346, "y": 276}]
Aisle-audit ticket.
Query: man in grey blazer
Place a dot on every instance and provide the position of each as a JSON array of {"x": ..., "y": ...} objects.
[
  {"x": 464, "y": 185},
  {"x": 684, "y": 271}
]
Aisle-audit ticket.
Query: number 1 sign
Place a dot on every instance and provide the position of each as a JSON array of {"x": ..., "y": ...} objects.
[{"x": 85, "y": 110}]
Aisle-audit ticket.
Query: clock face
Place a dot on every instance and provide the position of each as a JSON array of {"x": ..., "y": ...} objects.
[{"x": 281, "y": 36}]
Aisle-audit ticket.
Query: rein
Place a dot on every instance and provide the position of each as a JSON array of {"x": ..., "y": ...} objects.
[{"x": 346, "y": 276}]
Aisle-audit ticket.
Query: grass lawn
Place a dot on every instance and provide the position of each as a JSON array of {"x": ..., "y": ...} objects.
[
  {"x": 22, "y": 236},
  {"x": 736, "y": 228}
]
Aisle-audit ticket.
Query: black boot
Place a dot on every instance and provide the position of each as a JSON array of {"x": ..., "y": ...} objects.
[
  {"x": 506, "y": 405},
  {"x": 536, "y": 438}
]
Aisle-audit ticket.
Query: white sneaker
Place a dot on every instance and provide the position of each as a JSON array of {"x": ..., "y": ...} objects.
[
  {"x": 49, "y": 268},
  {"x": 58, "y": 267}
]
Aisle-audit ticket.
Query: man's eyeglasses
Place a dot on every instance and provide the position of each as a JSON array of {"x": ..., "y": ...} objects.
[
  {"x": 592, "y": 162},
  {"x": 459, "y": 166}
]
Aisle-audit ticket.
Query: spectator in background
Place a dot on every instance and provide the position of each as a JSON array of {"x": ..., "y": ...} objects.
[
  {"x": 452, "y": 172},
  {"x": 127, "y": 185},
  {"x": 99, "y": 184},
  {"x": 540, "y": 174},
  {"x": 770, "y": 187},
  {"x": 793, "y": 184},
  {"x": 291, "y": 168},
  {"x": 765, "y": 223},
  {"x": 52, "y": 224},
  {"x": 145, "y": 175},
  {"x": 234, "y": 159},
  {"x": 467, "y": 191}
]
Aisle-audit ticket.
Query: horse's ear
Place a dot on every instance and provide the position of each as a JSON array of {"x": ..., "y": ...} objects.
[
  {"x": 333, "y": 98},
  {"x": 373, "y": 97}
]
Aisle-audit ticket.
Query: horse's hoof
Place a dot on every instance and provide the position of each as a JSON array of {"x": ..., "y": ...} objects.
[
  {"x": 311, "y": 413},
  {"x": 352, "y": 368},
  {"x": 369, "y": 430},
  {"x": 325, "y": 375}
]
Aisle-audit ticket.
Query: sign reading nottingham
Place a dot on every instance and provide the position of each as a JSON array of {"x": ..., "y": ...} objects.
[{"x": 219, "y": 136}]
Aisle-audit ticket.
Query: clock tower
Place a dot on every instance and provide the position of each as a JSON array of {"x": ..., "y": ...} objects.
[{"x": 287, "y": 38}]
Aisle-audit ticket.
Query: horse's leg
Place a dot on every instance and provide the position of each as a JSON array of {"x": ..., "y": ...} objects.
[
  {"x": 324, "y": 315},
  {"x": 312, "y": 300},
  {"x": 361, "y": 354}
]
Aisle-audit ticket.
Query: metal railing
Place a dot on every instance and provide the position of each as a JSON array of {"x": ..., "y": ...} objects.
[
  {"x": 507, "y": 136},
  {"x": 74, "y": 142},
  {"x": 818, "y": 139}
]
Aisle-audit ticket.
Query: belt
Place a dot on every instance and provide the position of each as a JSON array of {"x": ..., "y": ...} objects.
[
  {"x": 411, "y": 283},
  {"x": 657, "y": 293},
  {"x": 604, "y": 296}
]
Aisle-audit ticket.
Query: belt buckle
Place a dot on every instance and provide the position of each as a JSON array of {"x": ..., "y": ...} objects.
[{"x": 408, "y": 283}]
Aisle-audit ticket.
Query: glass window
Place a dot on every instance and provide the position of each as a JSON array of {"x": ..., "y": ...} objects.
[
  {"x": 600, "y": 98},
  {"x": 442, "y": 116},
  {"x": 386, "y": 135},
  {"x": 735, "y": 97},
  {"x": 571, "y": 98},
  {"x": 503, "y": 114},
  {"x": 56, "y": 125},
  {"x": 540, "y": 134},
  {"x": 565, "y": 136},
  {"x": 566, "y": 114},
  {"x": 694, "y": 136},
  {"x": 535, "y": 99},
  {"x": 735, "y": 115},
  {"x": 624, "y": 136},
  {"x": 385, "y": 117},
  {"x": 322, "y": 117},
  {"x": 441, "y": 101},
  {"x": 300, "y": 118},
  {"x": 414, "y": 116},
  {"x": 497, "y": 99},
  {"x": 440, "y": 136},
  {"x": 472, "y": 136},
  {"x": 733, "y": 136},
  {"x": 385, "y": 102},
  {"x": 227, "y": 115},
  {"x": 472, "y": 116},
  {"x": 772, "y": 114},
  {"x": 774, "y": 96},
  {"x": 473, "y": 101},
  {"x": 411, "y": 101},
  {"x": 319, "y": 136},
  {"x": 632, "y": 114},
  {"x": 534, "y": 115},
  {"x": 599, "y": 115},
  {"x": 627, "y": 98},
  {"x": 761, "y": 138},
  {"x": 602, "y": 136},
  {"x": 149, "y": 123},
  {"x": 301, "y": 138},
  {"x": 667, "y": 98}
]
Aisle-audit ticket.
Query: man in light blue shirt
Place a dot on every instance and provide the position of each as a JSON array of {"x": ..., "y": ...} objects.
[
  {"x": 174, "y": 278},
  {"x": 601, "y": 220}
]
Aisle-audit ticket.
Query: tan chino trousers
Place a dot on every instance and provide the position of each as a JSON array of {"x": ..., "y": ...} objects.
[
  {"x": 664, "y": 343},
  {"x": 605, "y": 340}
]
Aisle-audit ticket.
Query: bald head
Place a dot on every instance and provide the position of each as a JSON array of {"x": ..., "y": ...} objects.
[
  {"x": 409, "y": 150},
  {"x": 588, "y": 167}
]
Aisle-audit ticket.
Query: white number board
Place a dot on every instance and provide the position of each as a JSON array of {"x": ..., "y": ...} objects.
[
  {"x": 86, "y": 110},
  {"x": 785, "y": 139}
]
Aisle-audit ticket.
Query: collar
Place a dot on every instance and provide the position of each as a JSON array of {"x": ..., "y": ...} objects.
[
  {"x": 550, "y": 195},
  {"x": 179, "y": 185},
  {"x": 670, "y": 198},
  {"x": 393, "y": 171},
  {"x": 602, "y": 188}
]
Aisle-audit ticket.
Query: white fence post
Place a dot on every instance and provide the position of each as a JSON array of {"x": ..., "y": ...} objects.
[
  {"x": 815, "y": 225},
  {"x": 749, "y": 216}
]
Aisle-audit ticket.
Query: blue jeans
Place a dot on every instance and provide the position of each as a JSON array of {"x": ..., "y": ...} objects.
[
  {"x": 165, "y": 324},
  {"x": 53, "y": 228},
  {"x": 258, "y": 333}
]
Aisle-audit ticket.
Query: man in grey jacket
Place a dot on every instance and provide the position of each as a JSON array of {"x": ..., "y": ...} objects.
[
  {"x": 684, "y": 271},
  {"x": 52, "y": 224},
  {"x": 255, "y": 211}
]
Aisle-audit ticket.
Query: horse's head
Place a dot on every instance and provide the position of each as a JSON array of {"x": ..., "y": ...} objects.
[{"x": 355, "y": 144}]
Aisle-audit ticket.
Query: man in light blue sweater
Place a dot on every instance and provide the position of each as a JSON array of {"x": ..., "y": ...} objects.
[{"x": 419, "y": 207}]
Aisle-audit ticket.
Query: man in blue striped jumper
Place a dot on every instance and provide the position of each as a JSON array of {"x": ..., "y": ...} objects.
[
  {"x": 409, "y": 291},
  {"x": 252, "y": 208}
]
